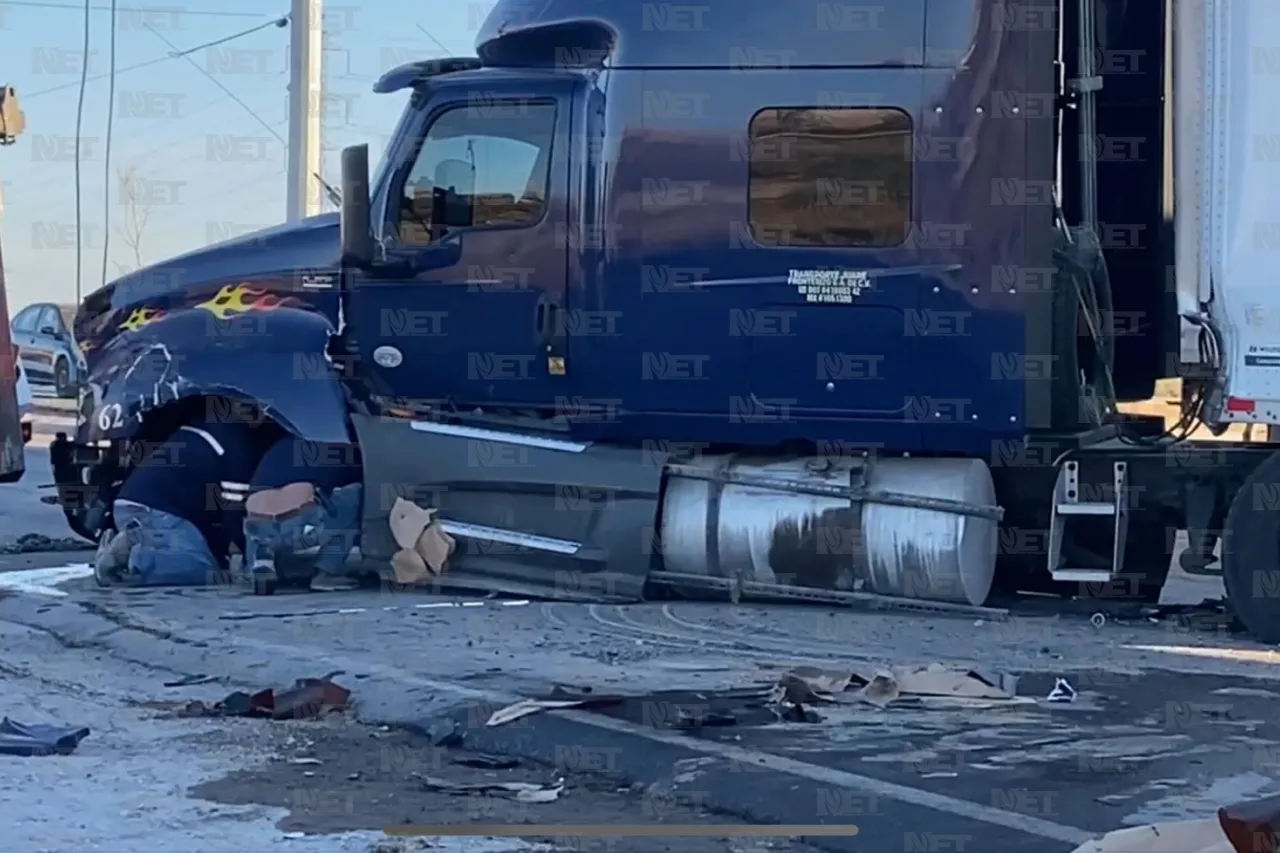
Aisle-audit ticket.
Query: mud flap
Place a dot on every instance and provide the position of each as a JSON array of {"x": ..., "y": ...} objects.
[{"x": 533, "y": 515}]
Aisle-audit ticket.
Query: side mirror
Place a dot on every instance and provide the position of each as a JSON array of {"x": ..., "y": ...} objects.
[
  {"x": 357, "y": 222},
  {"x": 49, "y": 331},
  {"x": 449, "y": 210}
]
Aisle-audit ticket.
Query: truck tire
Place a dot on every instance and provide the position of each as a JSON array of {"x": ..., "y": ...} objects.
[{"x": 1251, "y": 554}]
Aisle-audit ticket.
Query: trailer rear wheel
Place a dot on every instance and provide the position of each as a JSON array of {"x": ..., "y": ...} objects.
[{"x": 1251, "y": 553}]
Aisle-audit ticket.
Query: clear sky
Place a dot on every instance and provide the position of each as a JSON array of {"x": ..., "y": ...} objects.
[{"x": 206, "y": 169}]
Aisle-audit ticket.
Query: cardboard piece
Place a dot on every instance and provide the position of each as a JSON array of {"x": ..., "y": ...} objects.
[
  {"x": 881, "y": 687},
  {"x": 425, "y": 548}
]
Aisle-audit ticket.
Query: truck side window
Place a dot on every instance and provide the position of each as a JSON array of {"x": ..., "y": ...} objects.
[
  {"x": 830, "y": 177},
  {"x": 493, "y": 164}
]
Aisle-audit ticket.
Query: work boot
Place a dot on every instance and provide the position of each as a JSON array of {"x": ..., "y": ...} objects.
[
  {"x": 259, "y": 561},
  {"x": 112, "y": 557}
]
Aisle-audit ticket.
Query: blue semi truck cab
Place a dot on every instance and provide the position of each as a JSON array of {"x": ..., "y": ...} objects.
[
  {"x": 786, "y": 301},
  {"x": 731, "y": 253}
]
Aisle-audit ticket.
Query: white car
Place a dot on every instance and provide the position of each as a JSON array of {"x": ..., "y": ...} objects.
[{"x": 26, "y": 404}]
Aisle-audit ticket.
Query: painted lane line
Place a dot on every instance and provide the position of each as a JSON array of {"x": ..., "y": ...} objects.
[
  {"x": 347, "y": 611},
  {"x": 44, "y": 581},
  {"x": 830, "y": 776}
]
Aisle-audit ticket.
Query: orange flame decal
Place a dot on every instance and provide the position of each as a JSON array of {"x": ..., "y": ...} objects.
[
  {"x": 141, "y": 317},
  {"x": 236, "y": 299}
]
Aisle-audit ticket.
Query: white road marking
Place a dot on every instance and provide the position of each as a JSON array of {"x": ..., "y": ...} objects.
[
  {"x": 43, "y": 581},
  {"x": 347, "y": 611},
  {"x": 841, "y": 778}
]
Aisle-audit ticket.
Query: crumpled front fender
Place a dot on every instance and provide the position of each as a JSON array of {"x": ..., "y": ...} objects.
[{"x": 283, "y": 369}]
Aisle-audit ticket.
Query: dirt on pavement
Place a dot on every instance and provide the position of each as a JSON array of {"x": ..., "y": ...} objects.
[{"x": 339, "y": 776}]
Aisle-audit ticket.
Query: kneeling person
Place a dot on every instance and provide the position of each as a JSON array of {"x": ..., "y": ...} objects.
[
  {"x": 304, "y": 502},
  {"x": 180, "y": 508}
]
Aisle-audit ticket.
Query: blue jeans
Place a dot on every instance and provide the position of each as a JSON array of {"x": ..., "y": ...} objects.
[
  {"x": 159, "y": 549},
  {"x": 329, "y": 529}
]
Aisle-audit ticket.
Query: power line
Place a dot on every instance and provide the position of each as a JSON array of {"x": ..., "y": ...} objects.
[
  {"x": 106, "y": 166},
  {"x": 84, "y": 84},
  {"x": 333, "y": 194},
  {"x": 211, "y": 13},
  {"x": 282, "y": 21},
  {"x": 428, "y": 34},
  {"x": 230, "y": 94}
]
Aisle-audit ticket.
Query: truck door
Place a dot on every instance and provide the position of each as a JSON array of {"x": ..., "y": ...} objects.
[{"x": 467, "y": 310}]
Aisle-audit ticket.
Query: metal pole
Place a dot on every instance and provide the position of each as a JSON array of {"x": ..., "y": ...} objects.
[{"x": 306, "y": 108}]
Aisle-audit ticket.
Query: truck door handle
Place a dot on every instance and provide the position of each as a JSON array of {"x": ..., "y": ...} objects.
[{"x": 546, "y": 320}]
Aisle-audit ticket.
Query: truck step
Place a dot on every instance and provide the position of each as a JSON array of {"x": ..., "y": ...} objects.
[
  {"x": 1067, "y": 505},
  {"x": 1082, "y": 575},
  {"x": 1086, "y": 509}
]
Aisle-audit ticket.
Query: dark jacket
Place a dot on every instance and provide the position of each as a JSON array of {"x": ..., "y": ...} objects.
[
  {"x": 201, "y": 473},
  {"x": 294, "y": 460}
]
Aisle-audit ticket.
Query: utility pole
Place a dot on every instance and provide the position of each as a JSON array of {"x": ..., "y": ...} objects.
[{"x": 306, "y": 108}]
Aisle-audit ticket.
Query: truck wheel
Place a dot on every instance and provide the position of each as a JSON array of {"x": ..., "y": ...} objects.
[{"x": 1251, "y": 554}]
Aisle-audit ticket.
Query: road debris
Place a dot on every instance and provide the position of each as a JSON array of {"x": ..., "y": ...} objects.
[
  {"x": 192, "y": 680},
  {"x": 560, "y": 698},
  {"x": 35, "y": 543},
  {"x": 39, "y": 739},
  {"x": 308, "y": 697},
  {"x": 881, "y": 687},
  {"x": 482, "y": 761},
  {"x": 1062, "y": 692},
  {"x": 425, "y": 548},
  {"x": 525, "y": 792}
]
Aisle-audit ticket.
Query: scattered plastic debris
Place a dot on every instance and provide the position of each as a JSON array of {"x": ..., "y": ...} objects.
[
  {"x": 308, "y": 697},
  {"x": 1098, "y": 620},
  {"x": 525, "y": 792},
  {"x": 39, "y": 739},
  {"x": 1062, "y": 692}
]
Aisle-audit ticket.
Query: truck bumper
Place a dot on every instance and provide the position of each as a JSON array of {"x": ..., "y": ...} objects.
[{"x": 86, "y": 480}]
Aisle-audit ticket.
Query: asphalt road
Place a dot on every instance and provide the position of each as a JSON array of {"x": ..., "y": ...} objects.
[{"x": 1167, "y": 724}]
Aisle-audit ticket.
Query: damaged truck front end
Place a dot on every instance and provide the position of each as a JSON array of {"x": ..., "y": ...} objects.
[{"x": 246, "y": 324}]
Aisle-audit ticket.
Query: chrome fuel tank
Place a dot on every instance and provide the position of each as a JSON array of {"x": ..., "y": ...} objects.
[{"x": 915, "y": 528}]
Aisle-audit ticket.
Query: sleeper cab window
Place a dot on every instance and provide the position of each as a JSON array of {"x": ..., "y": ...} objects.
[
  {"x": 830, "y": 176},
  {"x": 476, "y": 168}
]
